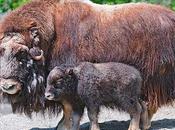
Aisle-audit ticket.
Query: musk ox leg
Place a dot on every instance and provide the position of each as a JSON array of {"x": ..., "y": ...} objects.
[
  {"x": 145, "y": 123},
  {"x": 93, "y": 117},
  {"x": 151, "y": 112},
  {"x": 135, "y": 112}
]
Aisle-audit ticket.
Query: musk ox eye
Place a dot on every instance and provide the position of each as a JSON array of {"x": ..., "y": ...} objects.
[
  {"x": 6, "y": 37},
  {"x": 7, "y": 34},
  {"x": 21, "y": 56}
]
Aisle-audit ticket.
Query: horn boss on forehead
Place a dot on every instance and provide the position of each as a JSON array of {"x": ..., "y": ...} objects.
[{"x": 35, "y": 52}]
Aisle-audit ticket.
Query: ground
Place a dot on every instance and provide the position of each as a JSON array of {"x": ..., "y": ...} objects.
[{"x": 164, "y": 119}]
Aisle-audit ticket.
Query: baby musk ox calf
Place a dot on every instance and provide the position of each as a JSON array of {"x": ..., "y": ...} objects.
[{"x": 114, "y": 85}]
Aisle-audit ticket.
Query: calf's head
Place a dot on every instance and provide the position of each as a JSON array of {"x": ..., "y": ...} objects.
[{"x": 61, "y": 82}]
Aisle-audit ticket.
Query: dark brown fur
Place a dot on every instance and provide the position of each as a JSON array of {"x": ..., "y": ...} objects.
[
  {"x": 112, "y": 85},
  {"x": 141, "y": 35}
]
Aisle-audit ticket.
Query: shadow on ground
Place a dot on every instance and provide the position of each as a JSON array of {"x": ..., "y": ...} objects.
[{"x": 123, "y": 125}]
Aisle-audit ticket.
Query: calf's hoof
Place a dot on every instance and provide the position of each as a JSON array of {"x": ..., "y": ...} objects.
[{"x": 134, "y": 129}]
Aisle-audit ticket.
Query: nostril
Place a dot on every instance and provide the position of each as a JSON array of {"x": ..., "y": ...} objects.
[
  {"x": 49, "y": 96},
  {"x": 8, "y": 86}
]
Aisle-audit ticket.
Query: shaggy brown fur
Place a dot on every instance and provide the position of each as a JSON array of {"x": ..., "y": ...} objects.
[
  {"x": 27, "y": 98},
  {"x": 18, "y": 63},
  {"x": 113, "y": 85},
  {"x": 141, "y": 35}
]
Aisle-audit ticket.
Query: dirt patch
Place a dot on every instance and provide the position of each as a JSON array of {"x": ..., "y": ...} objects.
[{"x": 164, "y": 119}]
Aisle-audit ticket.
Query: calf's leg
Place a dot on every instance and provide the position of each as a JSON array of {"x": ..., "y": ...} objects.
[
  {"x": 76, "y": 117},
  {"x": 66, "y": 121},
  {"x": 93, "y": 117},
  {"x": 71, "y": 116}
]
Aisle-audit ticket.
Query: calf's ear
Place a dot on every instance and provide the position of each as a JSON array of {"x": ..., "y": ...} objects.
[{"x": 69, "y": 71}]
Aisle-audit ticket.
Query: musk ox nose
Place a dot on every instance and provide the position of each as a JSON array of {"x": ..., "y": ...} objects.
[
  {"x": 9, "y": 86},
  {"x": 49, "y": 96}
]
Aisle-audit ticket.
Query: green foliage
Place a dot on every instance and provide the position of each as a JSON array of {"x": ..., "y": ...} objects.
[
  {"x": 168, "y": 3},
  {"x": 6, "y": 5},
  {"x": 173, "y": 4}
]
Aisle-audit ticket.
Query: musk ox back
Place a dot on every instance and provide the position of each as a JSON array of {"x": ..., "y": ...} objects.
[{"x": 113, "y": 85}]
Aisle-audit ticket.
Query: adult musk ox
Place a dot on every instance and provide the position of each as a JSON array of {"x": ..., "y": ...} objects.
[
  {"x": 68, "y": 32},
  {"x": 110, "y": 84}
]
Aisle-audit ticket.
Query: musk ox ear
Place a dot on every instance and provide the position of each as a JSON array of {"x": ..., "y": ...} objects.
[
  {"x": 34, "y": 35},
  {"x": 36, "y": 53}
]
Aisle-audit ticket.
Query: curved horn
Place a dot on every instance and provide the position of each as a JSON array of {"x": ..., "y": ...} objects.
[
  {"x": 40, "y": 56},
  {"x": 36, "y": 53}
]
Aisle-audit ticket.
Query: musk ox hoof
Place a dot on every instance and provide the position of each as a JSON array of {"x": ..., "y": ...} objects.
[{"x": 146, "y": 125}]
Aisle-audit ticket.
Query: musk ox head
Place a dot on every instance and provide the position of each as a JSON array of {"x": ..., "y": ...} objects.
[
  {"x": 26, "y": 35},
  {"x": 21, "y": 67},
  {"x": 61, "y": 82},
  {"x": 17, "y": 62},
  {"x": 22, "y": 63}
]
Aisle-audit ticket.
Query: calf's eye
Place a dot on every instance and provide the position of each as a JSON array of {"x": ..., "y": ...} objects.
[{"x": 58, "y": 85}]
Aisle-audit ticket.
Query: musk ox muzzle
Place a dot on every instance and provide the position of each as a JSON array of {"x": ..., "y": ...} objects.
[
  {"x": 10, "y": 86},
  {"x": 10, "y": 47}
]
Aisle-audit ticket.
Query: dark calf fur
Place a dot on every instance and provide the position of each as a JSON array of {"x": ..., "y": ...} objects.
[{"x": 113, "y": 85}]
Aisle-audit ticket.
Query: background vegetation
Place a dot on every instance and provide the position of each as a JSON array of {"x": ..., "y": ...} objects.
[{"x": 6, "y": 5}]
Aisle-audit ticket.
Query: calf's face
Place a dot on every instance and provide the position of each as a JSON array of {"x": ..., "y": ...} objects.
[{"x": 59, "y": 84}]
